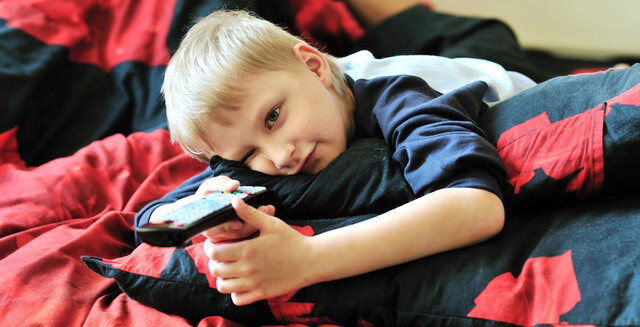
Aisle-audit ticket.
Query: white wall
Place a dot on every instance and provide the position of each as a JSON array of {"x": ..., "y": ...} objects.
[{"x": 588, "y": 28}]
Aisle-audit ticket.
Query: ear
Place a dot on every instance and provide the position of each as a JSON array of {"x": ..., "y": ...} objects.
[{"x": 314, "y": 61}]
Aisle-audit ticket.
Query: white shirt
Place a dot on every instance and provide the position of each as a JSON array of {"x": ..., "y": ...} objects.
[{"x": 441, "y": 73}]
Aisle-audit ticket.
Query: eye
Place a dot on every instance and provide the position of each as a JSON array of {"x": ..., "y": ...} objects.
[{"x": 272, "y": 117}]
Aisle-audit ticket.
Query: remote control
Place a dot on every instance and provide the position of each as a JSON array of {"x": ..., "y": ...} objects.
[{"x": 187, "y": 221}]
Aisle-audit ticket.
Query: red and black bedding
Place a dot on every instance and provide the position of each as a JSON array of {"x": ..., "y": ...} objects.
[{"x": 72, "y": 182}]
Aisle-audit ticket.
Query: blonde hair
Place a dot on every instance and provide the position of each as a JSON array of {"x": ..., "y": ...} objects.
[{"x": 219, "y": 50}]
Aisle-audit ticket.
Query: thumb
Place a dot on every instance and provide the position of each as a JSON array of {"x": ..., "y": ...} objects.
[{"x": 251, "y": 215}]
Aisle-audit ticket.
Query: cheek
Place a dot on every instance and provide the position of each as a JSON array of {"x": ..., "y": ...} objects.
[
  {"x": 330, "y": 152},
  {"x": 264, "y": 166}
]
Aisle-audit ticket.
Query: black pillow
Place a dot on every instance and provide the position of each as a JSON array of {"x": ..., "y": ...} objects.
[
  {"x": 553, "y": 141},
  {"x": 369, "y": 181}
]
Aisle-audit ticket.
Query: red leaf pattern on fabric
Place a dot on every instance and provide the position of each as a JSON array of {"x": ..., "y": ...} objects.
[
  {"x": 539, "y": 143},
  {"x": 630, "y": 97},
  {"x": 554, "y": 147},
  {"x": 545, "y": 289}
]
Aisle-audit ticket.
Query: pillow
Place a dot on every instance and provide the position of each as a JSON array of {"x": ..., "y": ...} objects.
[
  {"x": 375, "y": 185},
  {"x": 553, "y": 144}
]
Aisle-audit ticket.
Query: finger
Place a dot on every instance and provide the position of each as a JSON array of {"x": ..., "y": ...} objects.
[
  {"x": 208, "y": 248},
  {"x": 220, "y": 252},
  {"x": 251, "y": 215},
  {"x": 247, "y": 232},
  {"x": 232, "y": 285},
  {"x": 233, "y": 225},
  {"x": 218, "y": 183},
  {"x": 245, "y": 298},
  {"x": 268, "y": 209},
  {"x": 222, "y": 269}
]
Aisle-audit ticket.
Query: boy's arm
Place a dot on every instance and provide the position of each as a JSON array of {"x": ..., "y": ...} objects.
[
  {"x": 282, "y": 260},
  {"x": 446, "y": 219}
]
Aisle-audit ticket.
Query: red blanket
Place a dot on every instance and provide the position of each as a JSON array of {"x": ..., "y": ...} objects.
[
  {"x": 77, "y": 71},
  {"x": 112, "y": 55},
  {"x": 53, "y": 214}
]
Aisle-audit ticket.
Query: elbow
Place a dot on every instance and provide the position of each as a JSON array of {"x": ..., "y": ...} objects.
[
  {"x": 485, "y": 213},
  {"x": 497, "y": 223},
  {"x": 479, "y": 214},
  {"x": 494, "y": 215}
]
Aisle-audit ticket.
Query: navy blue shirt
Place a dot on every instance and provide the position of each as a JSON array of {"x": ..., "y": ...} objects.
[{"x": 433, "y": 136}]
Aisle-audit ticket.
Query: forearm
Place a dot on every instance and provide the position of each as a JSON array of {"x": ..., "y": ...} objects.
[{"x": 440, "y": 221}]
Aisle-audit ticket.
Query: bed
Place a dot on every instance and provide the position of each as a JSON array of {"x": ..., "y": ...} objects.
[{"x": 83, "y": 147}]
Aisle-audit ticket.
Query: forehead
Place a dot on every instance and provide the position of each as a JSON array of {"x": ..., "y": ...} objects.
[
  {"x": 229, "y": 104},
  {"x": 225, "y": 135},
  {"x": 234, "y": 126},
  {"x": 239, "y": 124},
  {"x": 251, "y": 88}
]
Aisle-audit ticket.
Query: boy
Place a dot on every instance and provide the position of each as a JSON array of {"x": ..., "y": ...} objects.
[{"x": 234, "y": 90}]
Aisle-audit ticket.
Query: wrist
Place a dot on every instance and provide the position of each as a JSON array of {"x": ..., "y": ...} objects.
[
  {"x": 313, "y": 264},
  {"x": 324, "y": 260}
]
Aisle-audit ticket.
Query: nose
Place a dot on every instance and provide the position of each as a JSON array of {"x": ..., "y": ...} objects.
[{"x": 281, "y": 155}]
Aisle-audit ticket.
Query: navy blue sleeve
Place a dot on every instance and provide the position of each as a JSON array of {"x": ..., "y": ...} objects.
[
  {"x": 187, "y": 188},
  {"x": 433, "y": 136}
]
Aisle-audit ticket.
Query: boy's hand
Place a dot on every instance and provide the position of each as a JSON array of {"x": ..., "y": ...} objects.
[
  {"x": 272, "y": 264},
  {"x": 218, "y": 183},
  {"x": 230, "y": 231},
  {"x": 234, "y": 229}
]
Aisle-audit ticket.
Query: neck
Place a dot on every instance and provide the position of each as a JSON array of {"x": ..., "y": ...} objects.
[{"x": 346, "y": 104}]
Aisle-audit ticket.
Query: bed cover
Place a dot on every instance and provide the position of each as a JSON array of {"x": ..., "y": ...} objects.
[{"x": 82, "y": 149}]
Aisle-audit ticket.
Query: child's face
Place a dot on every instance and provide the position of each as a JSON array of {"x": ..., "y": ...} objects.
[{"x": 290, "y": 122}]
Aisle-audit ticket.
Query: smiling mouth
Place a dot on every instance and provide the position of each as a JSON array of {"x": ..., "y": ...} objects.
[{"x": 308, "y": 162}]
